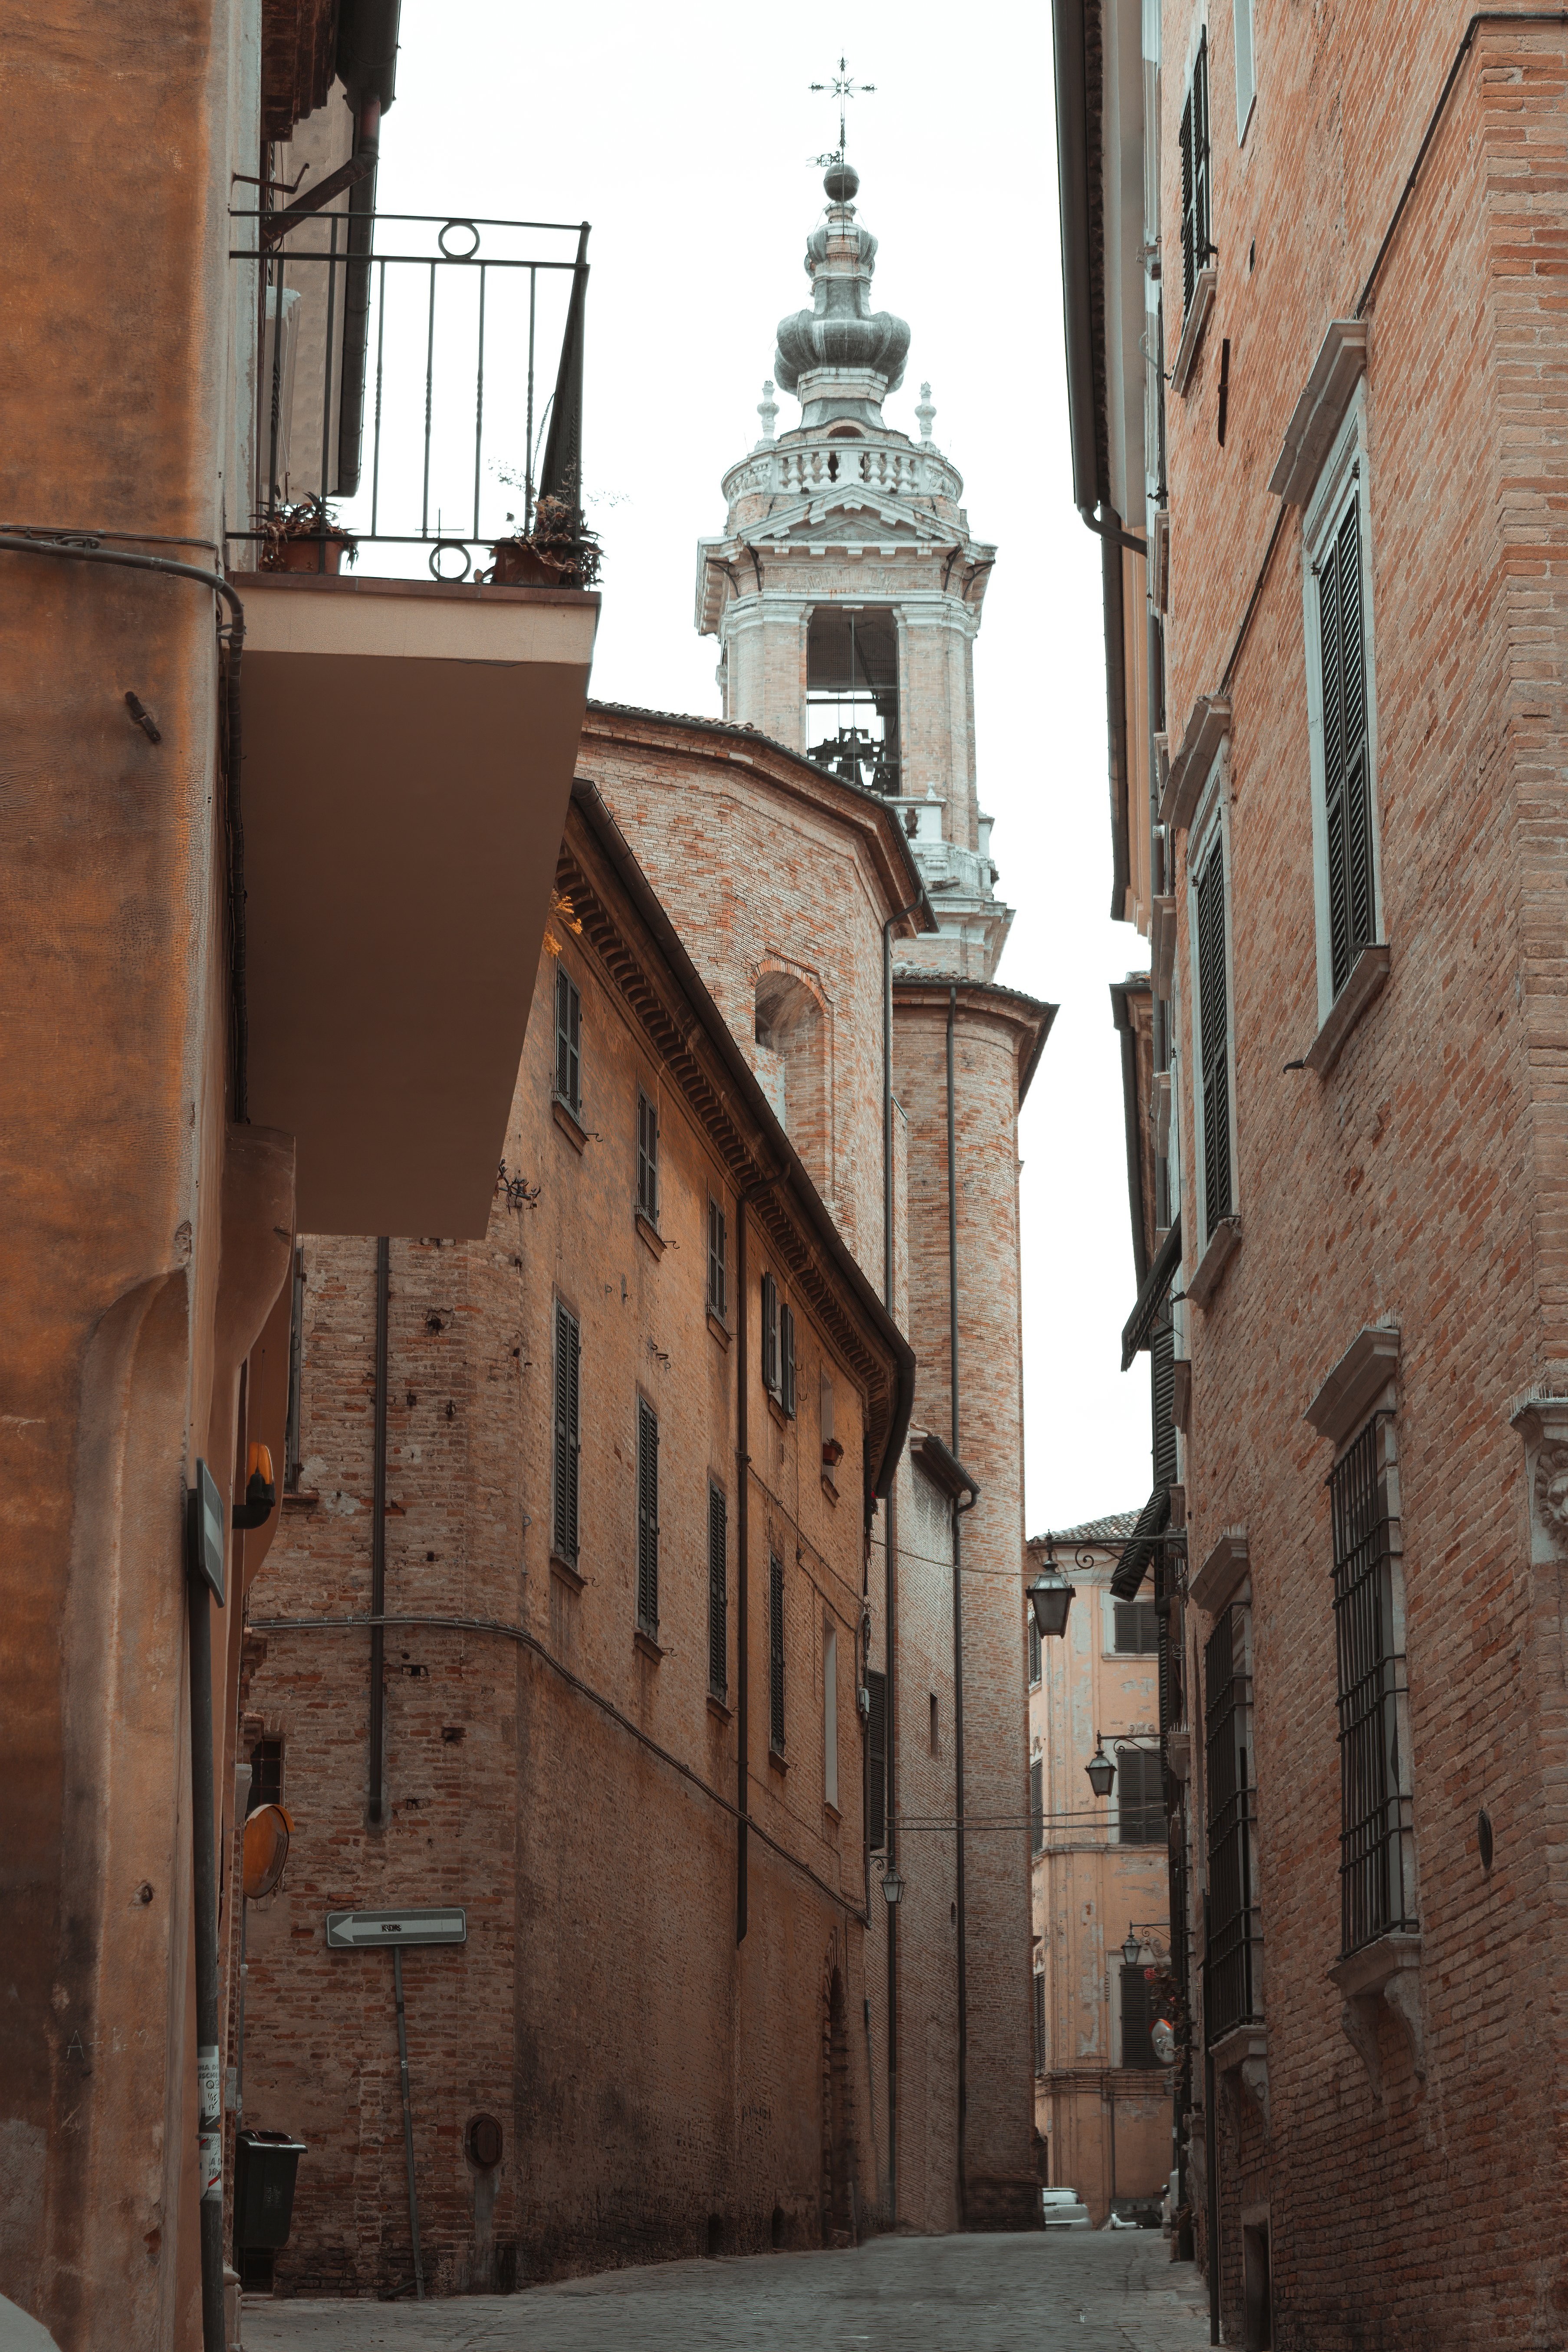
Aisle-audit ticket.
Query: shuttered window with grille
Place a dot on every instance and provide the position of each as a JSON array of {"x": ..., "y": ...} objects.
[
  {"x": 775, "y": 1655},
  {"x": 786, "y": 1360},
  {"x": 1233, "y": 1975},
  {"x": 770, "y": 1321},
  {"x": 1377, "y": 1856},
  {"x": 647, "y": 1158},
  {"x": 568, "y": 1042},
  {"x": 1137, "y": 2018},
  {"x": 718, "y": 1592},
  {"x": 568, "y": 1435},
  {"x": 875, "y": 1760},
  {"x": 1347, "y": 779},
  {"x": 1140, "y": 1797},
  {"x": 1196, "y": 246},
  {"x": 647, "y": 1519},
  {"x": 1214, "y": 1038},
  {"x": 717, "y": 1237},
  {"x": 1037, "y": 1805}
]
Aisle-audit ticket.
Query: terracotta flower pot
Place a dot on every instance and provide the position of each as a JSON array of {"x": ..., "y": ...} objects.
[
  {"x": 311, "y": 554},
  {"x": 516, "y": 566}
]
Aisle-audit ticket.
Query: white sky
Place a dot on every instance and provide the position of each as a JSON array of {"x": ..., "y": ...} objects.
[{"x": 682, "y": 135}]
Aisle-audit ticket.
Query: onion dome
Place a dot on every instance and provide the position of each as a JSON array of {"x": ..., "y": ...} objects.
[{"x": 841, "y": 357}]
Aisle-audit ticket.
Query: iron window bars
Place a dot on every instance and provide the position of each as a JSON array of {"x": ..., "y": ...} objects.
[
  {"x": 647, "y": 1519},
  {"x": 437, "y": 320},
  {"x": 1377, "y": 1852},
  {"x": 775, "y": 1655},
  {"x": 717, "y": 1593},
  {"x": 1233, "y": 1988},
  {"x": 568, "y": 1435}
]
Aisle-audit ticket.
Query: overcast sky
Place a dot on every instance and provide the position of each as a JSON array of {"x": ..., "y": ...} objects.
[{"x": 683, "y": 134}]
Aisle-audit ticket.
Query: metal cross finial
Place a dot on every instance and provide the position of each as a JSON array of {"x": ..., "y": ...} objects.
[{"x": 843, "y": 86}]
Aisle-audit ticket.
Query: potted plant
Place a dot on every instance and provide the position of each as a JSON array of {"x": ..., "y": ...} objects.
[
  {"x": 559, "y": 551},
  {"x": 306, "y": 536}
]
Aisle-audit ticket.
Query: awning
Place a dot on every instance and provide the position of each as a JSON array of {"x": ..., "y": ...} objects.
[
  {"x": 1137, "y": 1330},
  {"x": 1152, "y": 1521}
]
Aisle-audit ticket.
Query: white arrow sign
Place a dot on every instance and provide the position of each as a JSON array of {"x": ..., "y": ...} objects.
[{"x": 368, "y": 1930}]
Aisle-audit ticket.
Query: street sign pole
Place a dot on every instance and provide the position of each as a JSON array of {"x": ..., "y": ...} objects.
[{"x": 407, "y": 2122}]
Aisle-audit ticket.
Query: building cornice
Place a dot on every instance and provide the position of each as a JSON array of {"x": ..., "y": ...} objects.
[{"x": 1028, "y": 1017}]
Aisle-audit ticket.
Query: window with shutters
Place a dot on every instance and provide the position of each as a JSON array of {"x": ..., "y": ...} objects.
[
  {"x": 786, "y": 1360},
  {"x": 1198, "y": 245},
  {"x": 1136, "y": 1628},
  {"x": 770, "y": 1322},
  {"x": 830, "y": 1718},
  {"x": 648, "y": 1157},
  {"x": 568, "y": 1435},
  {"x": 1245, "y": 70},
  {"x": 775, "y": 1655},
  {"x": 875, "y": 1760},
  {"x": 1140, "y": 1797},
  {"x": 1162, "y": 1395},
  {"x": 1342, "y": 715},
  {"x": 568, "y": 1042},
  {"x": 1213, "y": 1081},
  {"x": 1233, "y": 1973},
  {"x": 1039, "y": 2020},
  {"x": 647, "y": 1519},
  {"x": 1137, "y": 2018},
  {"x": 718, "y": 1592},
  {"x": 1377, "y": 1854},
  {"x": 1034, "y": 1661},
  {"x": 1037, "y": 1805},
  {"x": 265, "y": 1774},
  {"x": 718, "y": 1287}
]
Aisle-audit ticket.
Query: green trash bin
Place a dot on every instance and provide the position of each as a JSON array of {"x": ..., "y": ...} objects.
[{"x": 264, "y": 2163}]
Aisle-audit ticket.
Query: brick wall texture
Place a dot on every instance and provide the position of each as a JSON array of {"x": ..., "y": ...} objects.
[{"x": 1424, "y": 1182}]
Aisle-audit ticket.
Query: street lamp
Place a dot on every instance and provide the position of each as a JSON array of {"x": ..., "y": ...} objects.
[
  {"x": 1051, "y": 1598},
  {"x": 1131, "y": 1947},
  {"x": 1100, "y": 1769},
  {"x": 893, "y": 1884}
]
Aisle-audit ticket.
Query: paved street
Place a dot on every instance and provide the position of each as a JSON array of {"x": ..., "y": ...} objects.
[{"x": 1088, "y": 2292}]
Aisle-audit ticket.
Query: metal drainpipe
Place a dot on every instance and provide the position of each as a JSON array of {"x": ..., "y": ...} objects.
[
  {"x": 377, "y": 1808},
  {"x": 742, "y": 1535},
  {"x": 1211, "y": 2139},
  {"x": 957, "y": 1624},
  {"x": 205, "y": 1903}
]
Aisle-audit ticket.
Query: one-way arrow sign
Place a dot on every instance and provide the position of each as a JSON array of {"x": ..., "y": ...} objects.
[{"x": 368, "y": 1930}]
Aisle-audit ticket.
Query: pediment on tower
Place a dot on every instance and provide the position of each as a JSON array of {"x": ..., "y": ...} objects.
[{"x": 848, "y": 515}]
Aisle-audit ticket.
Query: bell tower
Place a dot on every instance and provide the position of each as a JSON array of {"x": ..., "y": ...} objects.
[{"x": 846, "y": 591}]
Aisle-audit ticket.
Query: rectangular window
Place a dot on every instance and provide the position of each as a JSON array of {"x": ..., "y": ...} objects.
[
  {"x": 648, "y": 1519},
  {"x": 1233, "y": 1973},
  {"x": 1213, "y": 1024},
  {"x": 1037, "y": 1805},
  {"x": 568, "y": 1042},
  {"x": 568, "y": 1435},
  {"x": 717, "y": 1593},
  {"x": 852, "y": 684},
  {"x": 1196, "y": 245},
  {"x": 934, "y": 1741},
  {"x": 786, "y": 1360},
  {"x": 1137, "y": 2018},
  {"x": 265, "y": 1774},
  {"x": 1377, "y": 1859},
  {"x": 648, "y": 1157},
  {"x": 1347, "y": 746},
  {"x": 1140, "y": 1797},
  {"x": 717, "y": 1291},
  {"x": 1137, "y": 1628},
  {"x": 830, "y": 1718},
  {"x": 770, "y": 1335},
  {"x": 775, "y": 1656},
  {"x": 1039, "y": 2020},
  {"x": 1245, "y": 71},
  {"x": 1035, "y": 1659},
  {"x": 877, "y": 1760}
]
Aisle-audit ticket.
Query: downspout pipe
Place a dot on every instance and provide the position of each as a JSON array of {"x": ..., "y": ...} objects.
[
  {"x": 378, "y": 1804},
  {"x": 742, "y": 1570},
  {"x": 205, "y": 1905},
  {"x": 960, "y": 1889}
]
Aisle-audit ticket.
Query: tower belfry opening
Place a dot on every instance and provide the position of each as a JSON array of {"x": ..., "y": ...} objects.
[{"x": 852, "y": 695}]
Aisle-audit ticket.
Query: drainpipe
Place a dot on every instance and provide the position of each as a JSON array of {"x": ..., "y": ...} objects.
[
  {"x": 742, "y": 1556},
  {"x": 204, "y": 1905},
  {"x": 1210, "y": 2157},
  {"x": 377, "y": 1807},
  {"x": 958, "y": 1510}
]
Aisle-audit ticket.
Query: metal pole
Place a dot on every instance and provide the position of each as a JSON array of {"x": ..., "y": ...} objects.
[
  {"x": 204, "y": 1905},
  {"x": 1211, "y": 2155},
  {"x": 958, "y": 1873},
  {"x": 378, "y": 1804},
  {"x": 407, "y": 2123}
]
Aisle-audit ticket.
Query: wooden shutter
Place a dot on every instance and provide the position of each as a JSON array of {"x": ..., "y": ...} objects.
[
  {"x": 1137, "y": 1628},
  {"x": 568, "y": 1434},
  {"x": 1162, "y": 1396},
  {"x": 568, "y": 1042},
  {"x": 775, "y": 1655},
  {"x": 1196, "y": 239},
  {"x": 1033, "y": 1649},
  {"x": 877, "y": 1760},
  {"x": 1140, "y": 1806},
  {"x": 1039, "y": 2020},
  {"x": 770, "y": 1335},
  {"x": 1347, "y": 784},
  {"x": 786, "y": 1360},
  {"x": 1037, "y": 1805},
  {"x": 716, "y": 1239},
  {"x": 1137, "y": 2041},
  {"x": 718, "y": 1598},
  {"x": 1214, "y": 1039},
  {"x": 648, "y": 1519}
]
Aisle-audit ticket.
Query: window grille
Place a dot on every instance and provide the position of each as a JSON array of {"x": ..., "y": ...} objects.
[
  {"x": 568, "y": 1042},
  {"x": 1037, "y": 1805},
  {"x": 717, "y": 1593},
  {"x": 775, "y": 1655},
  {"x": 830, "y": 1718},
  {"x": 568, "y": 1434},
  {"x": 647, "y": 1158},
  {"x": 770, "y": 1335},
  {"x": 716, "y": 1260},
  {"x": 1035, "y": 1659},
  {"x": 1232, "y": 1987},
  {"x": 1137, "y": 2018},
  {"x": 786, "y": 1360},
  {"x": 1197, "y": 246},
  {"x": 648, "y": 1519},
  {"x": 265, "y": 1774},
  {"x": 1137, "y": 1628},
  {"x": 1347, "y": 781},
  {"x": 1140, "y": 1797},
  {"x": 1039, "y": 2020},
  {"x": 1214, "y": 1039},
  {"x": 1377, "y": 1858},
  {"x": 877, "y": 1760}
]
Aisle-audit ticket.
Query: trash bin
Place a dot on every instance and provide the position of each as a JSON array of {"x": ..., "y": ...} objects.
[{"x": 264, "y": 2167}]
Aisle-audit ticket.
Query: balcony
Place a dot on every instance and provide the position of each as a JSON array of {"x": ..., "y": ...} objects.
[
  {"x": 410, "y": 726},
  {"x": 801, "y": 468}
]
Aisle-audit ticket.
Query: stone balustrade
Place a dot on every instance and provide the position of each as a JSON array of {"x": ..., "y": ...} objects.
[{"x": 801, "y": 468}]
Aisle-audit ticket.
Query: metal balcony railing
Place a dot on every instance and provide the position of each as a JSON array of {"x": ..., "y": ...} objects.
[{"x": 401, "y": 360}]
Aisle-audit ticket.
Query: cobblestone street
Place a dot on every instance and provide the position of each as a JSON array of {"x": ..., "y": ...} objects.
[{"x": 1091, "y": 2292}]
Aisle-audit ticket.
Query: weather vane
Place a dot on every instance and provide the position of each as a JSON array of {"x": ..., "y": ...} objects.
[{"x": 843, "y": 86}]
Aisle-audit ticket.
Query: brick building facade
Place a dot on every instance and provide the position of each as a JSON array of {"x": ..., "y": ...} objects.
[{"x": 1335, "y": 528}]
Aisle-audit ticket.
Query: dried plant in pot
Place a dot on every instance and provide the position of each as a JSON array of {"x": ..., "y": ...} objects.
[
  {"x": 559, "y": 551},
  {"x": 306, "y": 537}
]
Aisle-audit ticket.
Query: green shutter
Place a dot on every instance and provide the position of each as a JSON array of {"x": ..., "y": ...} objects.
[
  {"x": 648, "y": 1519},
  {"x": 1213, "y": 1040},
  {"x": 568, "y": 1434},
  {"x": 718, "y": 1598},
  {"x": 877, "y": 1760}
]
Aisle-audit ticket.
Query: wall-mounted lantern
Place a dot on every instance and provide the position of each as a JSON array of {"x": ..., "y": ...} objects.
[
  {"x": 892, "y": 1885},
  {"x": 1100, "y": 1769}
]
